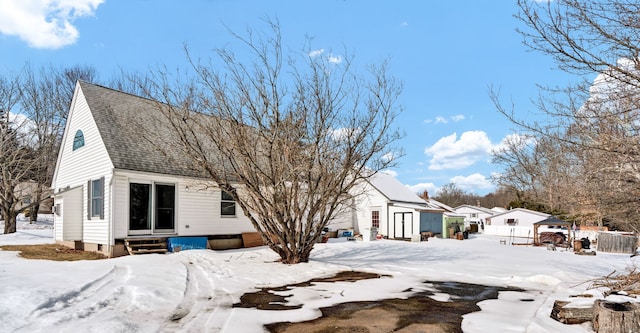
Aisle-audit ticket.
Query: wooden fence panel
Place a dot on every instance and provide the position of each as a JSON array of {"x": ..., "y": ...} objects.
[{"x": 617, "y": 243}]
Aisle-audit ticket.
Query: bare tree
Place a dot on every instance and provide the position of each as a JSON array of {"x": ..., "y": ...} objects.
[
  {"x": 46, "y": 96},
  {"x": 15, "y": 156},
  {"x": 454, "y": 196},
  {"x": 590, "y": 126},
  {"x": 34, "y": 108},
  {"x": 289, "y": 139}
]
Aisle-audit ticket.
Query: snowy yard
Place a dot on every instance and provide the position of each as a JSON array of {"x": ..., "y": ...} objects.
[{"x": 143, "y": 293}]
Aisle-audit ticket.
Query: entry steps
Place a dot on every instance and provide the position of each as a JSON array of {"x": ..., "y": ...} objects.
[{"x": 146, "y": 245}]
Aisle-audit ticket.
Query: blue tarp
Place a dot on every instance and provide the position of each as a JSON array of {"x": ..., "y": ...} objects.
[{"x": 186, "y": 243}]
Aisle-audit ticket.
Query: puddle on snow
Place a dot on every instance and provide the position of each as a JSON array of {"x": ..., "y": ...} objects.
[{"x": 421, "y": 312}]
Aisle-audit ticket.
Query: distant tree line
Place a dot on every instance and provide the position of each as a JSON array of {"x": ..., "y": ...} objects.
[{"x": 452, "y": 195}]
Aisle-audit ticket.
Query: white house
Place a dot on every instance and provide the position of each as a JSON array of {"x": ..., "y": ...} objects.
[
  {"x": 474, "y": 214},
  {"x": 111, "y": 184},
  {"x": 497, "y": 210},
  {"x": 392, "y": 208},
  {"x": 517, "y": 222}
]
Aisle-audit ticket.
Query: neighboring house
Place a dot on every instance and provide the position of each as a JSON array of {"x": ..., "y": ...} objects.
[
  {"x": 474, "y": 214},
  {"x": 392, "y": 208},
  {"x": 110, "y": 183},
  {"x": 515, "y": 222},
  {"x": 437, "y": 204},
  {"x": 497, "y": 210},
  {"x": 27, "y": 192}
]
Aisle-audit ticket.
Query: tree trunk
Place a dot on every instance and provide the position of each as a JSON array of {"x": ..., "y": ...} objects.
[
  {"x": 566, "y": 314},
  {"x": 33, "y": 213},
  {"x": 611, "y": 317},
  {"x": 9, "y": 223}
]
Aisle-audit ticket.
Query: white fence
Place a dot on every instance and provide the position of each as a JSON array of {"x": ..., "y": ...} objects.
[
  {"x": 524, "y": 233},
  {"x": 509, "y": 231}
]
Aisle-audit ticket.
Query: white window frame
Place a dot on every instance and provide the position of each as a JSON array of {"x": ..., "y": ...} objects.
[
  {"x": 95, "y": 204},
  {"x": 229, "y": 201}
]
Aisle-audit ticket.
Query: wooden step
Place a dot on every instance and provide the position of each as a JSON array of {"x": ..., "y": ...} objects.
[
  {"x": 145, "y": 245},
  {"x": 143, "y": 251},
  {"x": 163, "y": 244},
  {"x": 146, "y": 240}
]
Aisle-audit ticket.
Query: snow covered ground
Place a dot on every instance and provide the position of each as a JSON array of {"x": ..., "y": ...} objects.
[{"x": 148, "y": 293}]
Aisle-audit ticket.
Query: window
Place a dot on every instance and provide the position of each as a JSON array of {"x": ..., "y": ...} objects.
[
  {"x": 227, "y": 205},
  {"x": 96, "y": 198},
  {"x": 78, "y": 140},
  {"x": 26, "y": 200},
  {"x": 474, "y": 214},
  {"x": 375, "y": 219}
]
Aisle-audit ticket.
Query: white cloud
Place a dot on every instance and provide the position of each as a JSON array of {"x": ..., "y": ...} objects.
[
  {"x": 457, "y": 118},
  {"x": 344, "y": 133},
  {"x": 334, "y": 59},
  {"x": 445, "y": 120},
  {"x": 441, "y": 120},
  {"x": 24, "y": 127},
  {"x": 388, "y": 157},
  {"x": 421, "y": 187},
  {"x": 316, "y": 53},
  {"x": 44, "y": 23},
  {"x": 518, "y": 140},
  {"x": 330, "y": 58},
  {"x": 453, "y": 153},
  {"x": 472, "y": 183},
  {"x": 404, "y": 24}
]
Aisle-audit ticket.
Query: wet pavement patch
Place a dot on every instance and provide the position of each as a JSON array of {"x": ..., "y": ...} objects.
[
  {"x": 265, "y": 299},
  {"x": 418, "y": 313}
]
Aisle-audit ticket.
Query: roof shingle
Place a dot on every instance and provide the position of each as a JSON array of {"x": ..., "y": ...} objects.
[{"x": 136, "y": 134}]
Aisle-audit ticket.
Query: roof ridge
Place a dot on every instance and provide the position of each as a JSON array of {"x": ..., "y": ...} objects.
[{"x": 97, "y": 85}]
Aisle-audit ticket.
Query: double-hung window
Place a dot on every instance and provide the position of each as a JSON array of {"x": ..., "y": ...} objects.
[
  {"x": 375, "y": 218},
  {"x": 95, "y": 205},
  {"x": 227, "y": 205}
]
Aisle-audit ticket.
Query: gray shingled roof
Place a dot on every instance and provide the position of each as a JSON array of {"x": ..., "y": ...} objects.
[{"x": 136, "y": 134}]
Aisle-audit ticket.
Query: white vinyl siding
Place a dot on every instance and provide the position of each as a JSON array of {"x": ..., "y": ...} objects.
[
  {"x": 200, "y": 210},
  {"x": 524, "y": 217},
  {"x": 58, "y": 219},
  {"x": 346, "y": 218},
  {"x": 76, "y": 168},
  {"x": 197, "y": 206},
  {"x": 472, "y": 213},
  {"x": 71, "y": 212},
  {"x": 372, "y": 198},
  {"x": 120, "y": 211}
]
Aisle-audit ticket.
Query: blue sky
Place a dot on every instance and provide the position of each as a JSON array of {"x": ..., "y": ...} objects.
[{"x": 446, "y": 53}]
